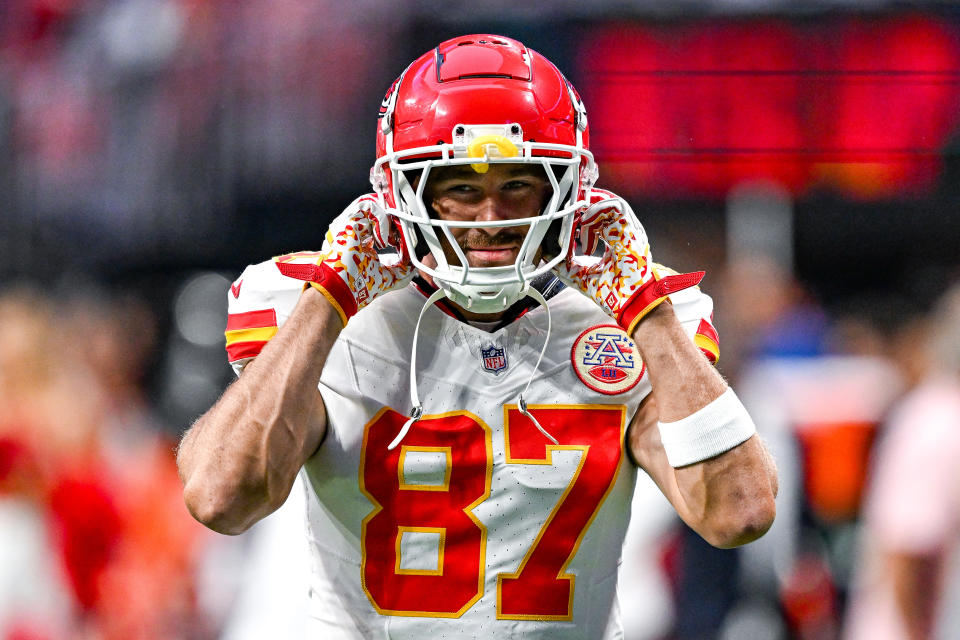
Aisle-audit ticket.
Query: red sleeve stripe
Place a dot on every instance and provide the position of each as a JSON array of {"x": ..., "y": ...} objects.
[
  {"x": 706, "y": 329},
  {"x": 247, "y": 333},
  {"x": 240, "y": 350},
  {"x": 708, "y": 341},
  {"x": 252, "y": 319}
]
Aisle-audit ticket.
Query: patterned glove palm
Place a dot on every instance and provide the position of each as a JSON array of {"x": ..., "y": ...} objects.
[
  {"x": 349, "y": 271},
  {"x": 624, "y": 281}
]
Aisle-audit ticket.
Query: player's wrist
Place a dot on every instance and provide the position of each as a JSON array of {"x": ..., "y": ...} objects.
[
  {"x": 649, "y": 332},
  {"x": 658, "y": 313},
  {"x": 651, "y": 295},
  {"x": 317, "y": 291},
  {"x": 327, "y": 282}
]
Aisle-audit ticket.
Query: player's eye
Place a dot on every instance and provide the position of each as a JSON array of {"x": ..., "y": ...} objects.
[{"x": 460, "y": 189}]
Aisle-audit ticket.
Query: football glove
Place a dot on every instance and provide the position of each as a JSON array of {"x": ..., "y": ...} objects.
[
  {"x": 624, "y": 281},
  {"x": 350, "y": 271}
]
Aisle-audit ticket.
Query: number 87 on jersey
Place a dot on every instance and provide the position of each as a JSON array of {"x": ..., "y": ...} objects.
[{"x": 424, "y": 549}]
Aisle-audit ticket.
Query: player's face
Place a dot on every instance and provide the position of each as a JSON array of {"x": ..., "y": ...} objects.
[{"x": 504, "y": 192}]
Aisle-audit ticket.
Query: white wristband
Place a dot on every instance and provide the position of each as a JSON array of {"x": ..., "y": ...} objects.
[{"x": 717, "y": 427}]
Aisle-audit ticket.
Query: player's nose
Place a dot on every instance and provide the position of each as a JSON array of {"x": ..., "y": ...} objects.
[{"x": 491, "y": 209}]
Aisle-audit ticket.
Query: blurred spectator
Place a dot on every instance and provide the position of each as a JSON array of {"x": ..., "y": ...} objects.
[
  {"x": 35, "y": 601},
  {"x": 87, "y": 480},
  {"x": 909, "y": 580},
  {"x": 142, "y": 126},
  {"x": 764, "y": 312},
  {"x": 644, "y": 591}
]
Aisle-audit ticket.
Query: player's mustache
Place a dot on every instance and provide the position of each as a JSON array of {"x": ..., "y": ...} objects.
[{"x": 477, "y": 239}]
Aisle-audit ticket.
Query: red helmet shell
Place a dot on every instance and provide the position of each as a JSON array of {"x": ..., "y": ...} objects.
[
  {"x": 480, "y": 79},
  {"x": 485, "y": 83}
]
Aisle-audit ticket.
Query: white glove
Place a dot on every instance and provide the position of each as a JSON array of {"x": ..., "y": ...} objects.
[
  {"x": 624, "y": 281},
  {"x": 349, "y": 270}
]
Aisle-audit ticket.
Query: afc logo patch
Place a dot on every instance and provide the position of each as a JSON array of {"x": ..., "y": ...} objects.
[
  {"x": 494, "y": 359},
  {"x": 606, "y": 359}
]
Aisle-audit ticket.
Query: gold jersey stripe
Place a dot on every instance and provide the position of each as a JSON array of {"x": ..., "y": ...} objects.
[
  {"x": 259, "y": 334},
  {"x": 707, "y": 345}
]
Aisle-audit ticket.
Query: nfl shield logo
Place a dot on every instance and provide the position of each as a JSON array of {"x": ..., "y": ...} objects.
[{"x": 494, "y": 359}]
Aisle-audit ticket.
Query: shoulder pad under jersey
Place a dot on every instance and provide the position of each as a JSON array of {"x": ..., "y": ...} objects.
[{"x": 258, "y": 303}]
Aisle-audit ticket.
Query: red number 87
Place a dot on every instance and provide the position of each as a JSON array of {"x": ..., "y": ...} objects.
[{"x": 540, "y": 588}]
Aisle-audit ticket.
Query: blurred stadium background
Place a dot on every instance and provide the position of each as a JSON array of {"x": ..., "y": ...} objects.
[{"x": 804, "y": 153}]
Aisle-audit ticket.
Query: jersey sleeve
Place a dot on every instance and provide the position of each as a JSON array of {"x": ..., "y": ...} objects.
[
  {"x": 258, "y": 303},
  {"x": 694, "y": 309}
]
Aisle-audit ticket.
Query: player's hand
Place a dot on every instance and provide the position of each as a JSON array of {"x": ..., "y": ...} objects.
[
  {"x": 350, "y": 271},
  {"x": 624, "y": 280}
]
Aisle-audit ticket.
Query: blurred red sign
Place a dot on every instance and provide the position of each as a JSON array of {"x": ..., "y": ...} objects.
[{"x": 862, "y": 106}]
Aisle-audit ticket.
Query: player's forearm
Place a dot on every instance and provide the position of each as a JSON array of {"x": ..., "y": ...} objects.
[
  {"x": 728, "y": 498},
  {"x": 240, "y": 459},
  {"x": 683, "y": 380}
]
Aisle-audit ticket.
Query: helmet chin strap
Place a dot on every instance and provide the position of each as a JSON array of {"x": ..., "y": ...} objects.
[
  {"x": 417, "y": 411},
  {"x": 521, "y": 403},
  {"x": 414, "y": 397}
]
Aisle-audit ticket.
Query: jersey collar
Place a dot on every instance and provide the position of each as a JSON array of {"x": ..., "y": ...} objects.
[{"x": 547, "y": 284}]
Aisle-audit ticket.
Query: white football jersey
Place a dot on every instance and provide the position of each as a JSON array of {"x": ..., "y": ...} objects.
[{"x": 476, "y": 524}]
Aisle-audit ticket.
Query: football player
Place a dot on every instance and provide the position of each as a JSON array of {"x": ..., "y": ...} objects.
[{"x": 469, "y": 373}]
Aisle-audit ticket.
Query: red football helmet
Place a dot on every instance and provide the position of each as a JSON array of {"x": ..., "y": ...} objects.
[{"x": 475, "y": 100}]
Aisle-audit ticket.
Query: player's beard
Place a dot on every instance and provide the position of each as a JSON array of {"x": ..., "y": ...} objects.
[{"x": 511, "y": 237}]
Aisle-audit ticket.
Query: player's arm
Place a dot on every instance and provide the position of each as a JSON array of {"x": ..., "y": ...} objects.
[
  {"x": 717, "y": 474},
  {"x": 728, "y": 498},
  {"x": 240, "y": 459}
]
